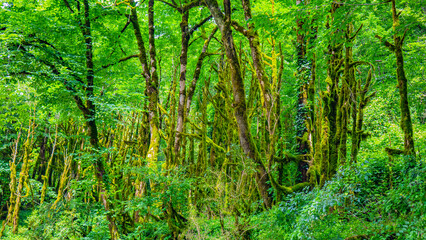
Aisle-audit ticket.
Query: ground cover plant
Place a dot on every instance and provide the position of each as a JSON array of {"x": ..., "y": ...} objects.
[{"x": 207, "y": 119}]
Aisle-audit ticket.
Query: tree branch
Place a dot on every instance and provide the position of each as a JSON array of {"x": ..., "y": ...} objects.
[
  {"x": 190, "y": 5},
  {"x": 68, "y": 6},
  {"x": 361, "y": 4},
  {"x": 357, "y": 31},
  {"x": 403, "y": 36},
  {"x": 119, "y": 61},
  {"x": 195, "y": 28},
  {"x": 170, "y": 4},
  {"x": 240, "y": 28},
  {"x": 387, "y": 44},
  {"x": 54, "y": 69}
]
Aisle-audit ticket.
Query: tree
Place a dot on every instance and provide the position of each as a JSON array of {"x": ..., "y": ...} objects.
[
  {"x": 405, "y": 122},
  {"x": 223, "y": 21}
]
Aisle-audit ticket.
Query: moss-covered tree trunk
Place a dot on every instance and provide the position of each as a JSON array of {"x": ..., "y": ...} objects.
[
  {"x": 406, "y": 124},
  {"x": 182, "y": 80},
  {"x": 344, "y": 101},
  {"x": 396, "y": 48},
  {"x": 151, "y": 80},
  {"x": 151, "y": 84},
  {"x": 186, "y": 33},
  {"x": 89, "y": 113},
  {"x": 152, "y": 90},
  {"x": 223, "y": 22},
  {"x": 328, "y": 141},
  {"x": 306, "y": 80},
  {"x": 264, "y": 83}
]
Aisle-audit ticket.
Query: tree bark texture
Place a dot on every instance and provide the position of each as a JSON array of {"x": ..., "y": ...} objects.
[{"x": 224, "y": 24}]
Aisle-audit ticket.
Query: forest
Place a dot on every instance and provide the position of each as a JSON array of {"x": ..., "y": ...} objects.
[{"x": 213, "y": 119}]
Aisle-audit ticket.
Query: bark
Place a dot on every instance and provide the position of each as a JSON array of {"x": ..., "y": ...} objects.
[
  {"x": 89, "y": 110},
  {"x": 151, "y": 80},
  {"x": 324, "y": 140},
  {"x": 152, "y": 90},
  {"x": 344, "y": 105},
  {"x": 172, "y": 114},
  {"x": 23, "y": 178},
  {"x": 12, "y": 185},
  {"x": 90, "y": 115},
  {"x": 333, "y": 120},
  {"x": 182, "y": 80},
  {"x": 396, "y": 48},
  {"x": 406, "y": 123},
  {"x": 40, "y": 164},
  {"x": 256, "y": 54},
  {"x": 304, "y": 117},
  {"x": 335, "y": 63},
  {"x": 224, "y": 24},
  {"x": 182, "y": 109},
  {"x": 141, "y": 45},
  {"x": 48, "y": 173},
  {"x": 356, "y": 111},
  {"x": 144, "y": 133}
]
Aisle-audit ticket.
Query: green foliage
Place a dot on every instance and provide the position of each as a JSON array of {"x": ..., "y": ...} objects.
[
  {"x": 375, "y": 198},
  {"x": 43, "y": 69},
  {"x": 84, "y": 218},
  {"x": 83, "y": 221},
  {"x": 4, "y": 180}
]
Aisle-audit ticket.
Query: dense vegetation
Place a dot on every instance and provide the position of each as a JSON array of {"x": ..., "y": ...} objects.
[{"x": 207, "y": 119}]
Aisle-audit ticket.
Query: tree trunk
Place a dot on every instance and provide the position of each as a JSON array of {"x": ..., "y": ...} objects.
[
  {"x": 152, "y": 87},
  {"x": 406, "y": 124},
  {"x": 239, "y": 105},
  {"x": 151, "y": 79},
  {"x": 182, "y": 80},
  {"x": 396, "y": 48},
  {"x": 306, "y": 78}
]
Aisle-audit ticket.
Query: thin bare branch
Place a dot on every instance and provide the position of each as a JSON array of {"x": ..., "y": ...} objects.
[{"x": 119, "y": 61}]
